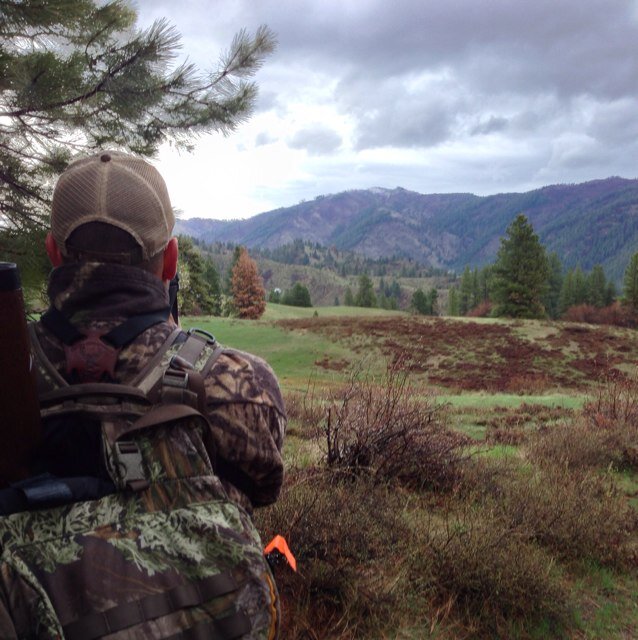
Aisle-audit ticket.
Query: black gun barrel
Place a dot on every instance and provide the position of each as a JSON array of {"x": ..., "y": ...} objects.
[{"x": 19, "y": 407}]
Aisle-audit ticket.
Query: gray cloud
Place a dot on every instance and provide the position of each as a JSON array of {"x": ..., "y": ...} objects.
[
  {"x": 263, "y": 138},
  {"x": 492, "y": 124},
  {"x": 316, "y": 140},
  {"x": 531, "y": 92}
]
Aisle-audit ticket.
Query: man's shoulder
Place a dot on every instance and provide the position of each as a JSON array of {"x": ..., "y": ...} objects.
[{"x": 239, "y": 376}]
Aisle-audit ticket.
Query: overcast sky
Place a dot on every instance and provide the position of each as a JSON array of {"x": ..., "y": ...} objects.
[{"x": 436, "y": 96}]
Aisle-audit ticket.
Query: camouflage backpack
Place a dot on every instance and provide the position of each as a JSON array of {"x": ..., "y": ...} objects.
[{"x": 157, "y": 550}]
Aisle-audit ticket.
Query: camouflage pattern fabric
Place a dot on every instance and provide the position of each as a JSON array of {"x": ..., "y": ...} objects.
[
  {"x": 60, "y": 565},
  {"x": 244, "y": 400}
]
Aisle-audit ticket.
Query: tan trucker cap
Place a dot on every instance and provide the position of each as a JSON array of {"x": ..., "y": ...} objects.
[{"x": 118, "y": 189}]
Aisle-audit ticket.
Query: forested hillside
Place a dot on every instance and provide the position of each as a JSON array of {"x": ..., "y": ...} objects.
[{"x": 586, "y": 224}]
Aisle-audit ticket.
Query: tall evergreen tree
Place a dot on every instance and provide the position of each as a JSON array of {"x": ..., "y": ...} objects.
[
  {"x": 228, "y": 285},
  {"x": 476, "y": 289},
  {"x": 465, "y": 291},
  {"x": 554, "y": 286},
  {"x": 485, "y": 283},
  {"x": 365, "y": 294},
  {"x": 453, "y": 302},
  {"x": 348, "y": 297},
  {"x": 580, "y": 287},
  {"x": 520, "y": 272},
  {"x": 198, "y": 293},
  {"x": 567, "y": 293},
  {"x": 434, "y": 300},
  {"x": 297, "y": 296},
  {"x": 77, "y": 75},
  {"x": 421, "y": 303},
  {"x": 630, "y": 284},
  {"x": 610, "y": 293},
  {"x": 597, "y": 286}
]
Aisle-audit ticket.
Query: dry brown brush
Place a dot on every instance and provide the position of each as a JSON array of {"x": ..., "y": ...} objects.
[
  {"x": 604, "y": 435},
  {"x": 479, "y": 568},
  {"x": 399, "y": 526},
  {"x": 349, "y": 537},
  {"x": 381, "y": 428}
]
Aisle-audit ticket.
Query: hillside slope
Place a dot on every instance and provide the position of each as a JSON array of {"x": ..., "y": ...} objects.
[{"x": 587, "y": 224}]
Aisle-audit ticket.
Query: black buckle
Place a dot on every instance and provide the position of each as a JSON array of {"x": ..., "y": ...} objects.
[
  {"x": 176, "y": 378},
  {"x": 210, "y": 338}
]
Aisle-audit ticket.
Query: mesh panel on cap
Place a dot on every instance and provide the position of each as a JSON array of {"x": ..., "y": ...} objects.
[{"x": 124, "y": 191}]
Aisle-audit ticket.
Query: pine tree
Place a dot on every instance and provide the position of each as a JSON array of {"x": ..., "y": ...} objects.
[
  {"x": 465, "y": 291},
  {"x": 554, "y": 286},
  {"x": 198, "y": 294},
  {"x": 348, "y": 298},
  {"x": 297, "y": 296},
  {"x": 580, "y": 287},
  {"x": 434, "y": 299},
  {"x": 228, "y": 285},
  {"x": 77, "y": 75},
  {"x": 520, "y": 272},
  {"x": 485, "y": 283},
  {"x": 475, "y": 299},
  {"x": 630, "y": 284},
  {"x": 453, "y": 302},
  {"x": 596, "y": 286},
  {"x": 567, "y": 293},
  {"x": 249, "y": 297},
  {"x": 365, "y": 294},
  {"x": 421, "y": 303},
  {"x": 610, "y": 293}
]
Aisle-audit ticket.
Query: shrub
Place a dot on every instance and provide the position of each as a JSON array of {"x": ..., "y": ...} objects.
[
  {"x": 348, "y": 536},
  {"x": 379, "y": 428},
  {"x": 613, "y": 409},
  {"x": 306, "y": 410},
  {"x": 490, "y": 576},
  {"x": 297, "y": 296},
  {"x": 576, "y": 515},
  {"x": 573, "y": 445},
  {"x": 481, "y": 310},
  {"x": 615, "y": 314}
]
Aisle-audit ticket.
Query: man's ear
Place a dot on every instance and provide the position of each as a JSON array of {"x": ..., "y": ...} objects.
[
  {"x": 53, "y": 251},
  {"x": 170, "y": 260}
]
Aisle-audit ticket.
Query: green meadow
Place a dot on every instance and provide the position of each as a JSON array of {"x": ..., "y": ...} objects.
[{"x": 535, "y": 534}]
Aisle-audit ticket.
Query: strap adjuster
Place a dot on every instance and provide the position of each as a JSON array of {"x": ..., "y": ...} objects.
[
  {"x": 176, "y": 378},
  {"x": 128, "y": 458}
]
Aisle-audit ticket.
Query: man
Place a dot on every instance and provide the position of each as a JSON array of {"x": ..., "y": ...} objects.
[{"x": 113, "y": 256}]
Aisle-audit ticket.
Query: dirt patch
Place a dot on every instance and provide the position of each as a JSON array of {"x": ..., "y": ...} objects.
[{"x": 473, "y": 356}]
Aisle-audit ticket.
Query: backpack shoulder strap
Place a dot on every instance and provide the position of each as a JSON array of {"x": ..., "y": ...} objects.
[
  {"x": 49, "y": 379},
  {"x": 176, "y": 376},
  {"x": 147, "y": 378}
]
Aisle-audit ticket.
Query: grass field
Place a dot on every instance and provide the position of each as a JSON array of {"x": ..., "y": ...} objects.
[{"x": 518, "y": 391}]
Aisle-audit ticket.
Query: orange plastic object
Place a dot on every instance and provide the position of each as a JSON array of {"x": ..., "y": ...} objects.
[{"x": 278, "y": 543}]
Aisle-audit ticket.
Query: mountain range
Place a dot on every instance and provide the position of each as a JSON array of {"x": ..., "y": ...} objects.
[{"x": 590, "y": 223}]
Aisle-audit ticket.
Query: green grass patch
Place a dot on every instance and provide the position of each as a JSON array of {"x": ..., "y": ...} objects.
[
  {"x": 484, "y": 400},
  {"x": 286, "y": 312},
  {"x": 292, "y": 355}
]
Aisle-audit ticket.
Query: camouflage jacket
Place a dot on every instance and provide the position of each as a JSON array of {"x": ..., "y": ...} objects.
[
  {"x": 245, "y": 405},
  {"x": 65, "y": 566}
]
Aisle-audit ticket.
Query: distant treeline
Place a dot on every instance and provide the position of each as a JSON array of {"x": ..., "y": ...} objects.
[{"x": 381, "y": 282}]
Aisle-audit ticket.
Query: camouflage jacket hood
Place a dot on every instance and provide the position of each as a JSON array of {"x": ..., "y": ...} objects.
[{"x": 244, "y": 402}]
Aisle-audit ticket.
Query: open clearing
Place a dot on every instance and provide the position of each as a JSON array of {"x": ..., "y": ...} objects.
[{"x": 501, "y": 384}]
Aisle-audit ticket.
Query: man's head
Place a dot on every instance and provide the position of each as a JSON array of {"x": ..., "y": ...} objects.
[{"x": 113, "y": 207}]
